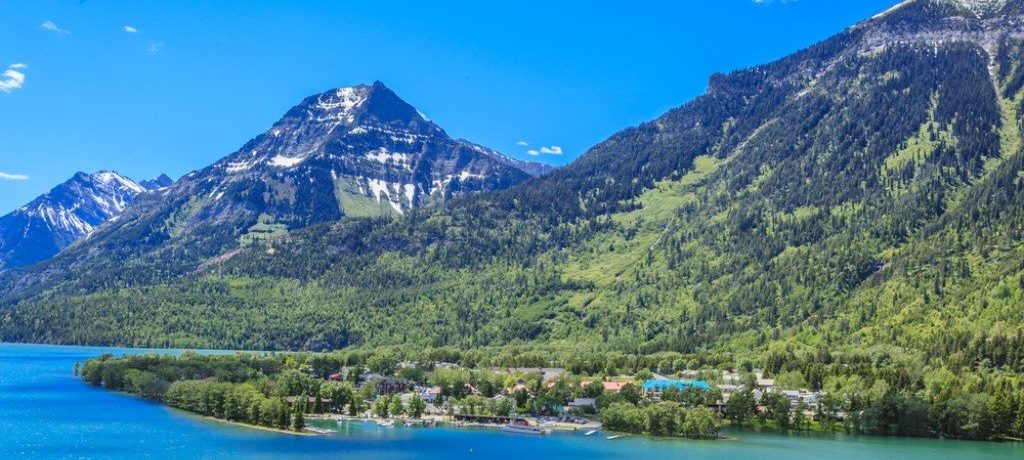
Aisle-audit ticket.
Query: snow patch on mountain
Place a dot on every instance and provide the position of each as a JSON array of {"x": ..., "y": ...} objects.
[
  {"x": 282, "y": 161},
  {"x": 382, "y": 155}
]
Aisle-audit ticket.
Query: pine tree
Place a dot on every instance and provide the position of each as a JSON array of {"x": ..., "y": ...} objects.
[
  {"x": 416, "y": 406},
  {"x": 282, "y": 416},
  {"x": 396, "y": 408}
]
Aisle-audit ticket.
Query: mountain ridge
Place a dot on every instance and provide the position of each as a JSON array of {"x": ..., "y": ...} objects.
[{"x": 69, "y": 211}]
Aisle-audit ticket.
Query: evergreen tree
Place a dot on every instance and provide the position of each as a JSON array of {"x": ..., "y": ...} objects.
[
  {"x": 395, "y": 408},
  {"x": 417, "y": 406},
  {"x": 298, "y": 421}
]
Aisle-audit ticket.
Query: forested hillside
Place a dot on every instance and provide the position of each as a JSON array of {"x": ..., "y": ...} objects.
[{"x": 863, "y": 195}]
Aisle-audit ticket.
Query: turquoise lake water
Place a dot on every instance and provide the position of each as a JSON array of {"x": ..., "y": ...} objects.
[{"x": 46, "y": 413}]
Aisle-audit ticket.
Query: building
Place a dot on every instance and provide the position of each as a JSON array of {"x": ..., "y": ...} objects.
[
  {"x": 583, "y": 404},
  {"x": 546, "y": 373},
  {"x": 656, "y": 387},
  {"x": 609, "y": 387},
  {"x": 613, "y": 387},
  {"x": 735, "y": 378},
  {"x": 386, "y": 385},
  {"x": 728, "y": 388},
  {"x": 312, "y": 400},
  {"x": 428, "y": 394},
  {"x": 808, "y": 397}
]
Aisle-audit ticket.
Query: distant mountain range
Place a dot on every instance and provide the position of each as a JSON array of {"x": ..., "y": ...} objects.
[
  {"x": 51, "y": 222},
  {"x": 863, "y": 195}
]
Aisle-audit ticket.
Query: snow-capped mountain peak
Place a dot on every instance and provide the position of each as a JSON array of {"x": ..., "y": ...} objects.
[
  {"x": 67, "y": 212},
  {"x": 366, "y": 143}
]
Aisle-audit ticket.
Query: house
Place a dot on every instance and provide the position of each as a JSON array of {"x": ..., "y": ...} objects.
[
  {"x": 735, "y": 378},
  {"x": 609, "y": 387},
  {"x": 428, "y": 394},
  {"x": 795, "y": 397},
  {"x": 656, "y": 387},
  {"x": 337, "y": 377},
  {"x": 309, "y": 400},
  {"x": 690, "y": 374},
  {"x": 583, "y": 404},
  {"x": 386, "y": 385},
  {"x": 728, "y": 388},
  {"x": 764, "y": 383},
  {"x": 546, "y": 373},
  {"x": 614, "y": 387},
  {"x": 731, "y": 377}
]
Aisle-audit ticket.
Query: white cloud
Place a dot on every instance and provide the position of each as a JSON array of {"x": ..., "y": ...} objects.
[
  {"x": 522, "y": 143},
  {"x": 130, "y": 29},
  {"x": 9, "y": 176},
  {"x": 50, "y": 26},
  {"x": 12, "y": 78},
  {"x": 545, "y": 150},
  {"x": 154, "y": 46}
]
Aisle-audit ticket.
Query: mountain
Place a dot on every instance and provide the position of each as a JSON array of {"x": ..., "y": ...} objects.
[
  {"x": 359, "y": 151},
  {"x": 51, "y": 222},
  {"x": 351, "y": 152},
  {"x": 157, "y": 183},
  {"x": 862, "y": 196}
]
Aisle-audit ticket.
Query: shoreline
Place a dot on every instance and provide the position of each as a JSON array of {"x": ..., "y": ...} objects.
[
  {"x": 239, "y": 424},
  {"x": 304, "y": 432},
  {"x": 444, "y": 420}
]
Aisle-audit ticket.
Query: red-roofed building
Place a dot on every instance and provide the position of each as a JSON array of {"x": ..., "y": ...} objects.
[{"x": 613, "y": 387}]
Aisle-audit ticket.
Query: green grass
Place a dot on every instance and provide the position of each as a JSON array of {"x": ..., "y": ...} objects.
[
  {"x": 916, "y": 151},
  {"x": 265, "y": 229},
  {"x": 355, "y": 203},
  {"x": 176, "y": 223},
  {"x": 1009, "y": 132}
]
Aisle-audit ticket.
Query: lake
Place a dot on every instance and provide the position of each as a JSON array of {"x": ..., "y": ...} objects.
[{"x": 47, "y": 413}]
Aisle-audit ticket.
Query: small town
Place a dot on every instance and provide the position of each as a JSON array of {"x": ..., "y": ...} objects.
[
  {"x": 536, "y": 400},
  {"x": 317, "y": 393}
]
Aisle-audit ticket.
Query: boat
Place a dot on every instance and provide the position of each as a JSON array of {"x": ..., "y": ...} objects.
[
  {"x": 320, "y": 430},
  {"x": 614, "y": 437},
  {"x": 522, "y": 427},
  {"x": 589, "y": 432}
]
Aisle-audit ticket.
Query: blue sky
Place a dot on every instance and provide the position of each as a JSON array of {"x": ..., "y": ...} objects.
[{"x": 152, "y": 87}]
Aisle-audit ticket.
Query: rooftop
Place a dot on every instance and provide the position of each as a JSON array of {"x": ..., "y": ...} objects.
[{"x": 661, "y": 385}]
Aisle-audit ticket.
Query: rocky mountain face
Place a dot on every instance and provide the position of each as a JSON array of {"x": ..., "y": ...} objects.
[
  {"x": 359, "y": 151},
  {"x": 53, "y": 221},
  {"x": 866, "y": 192}
]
